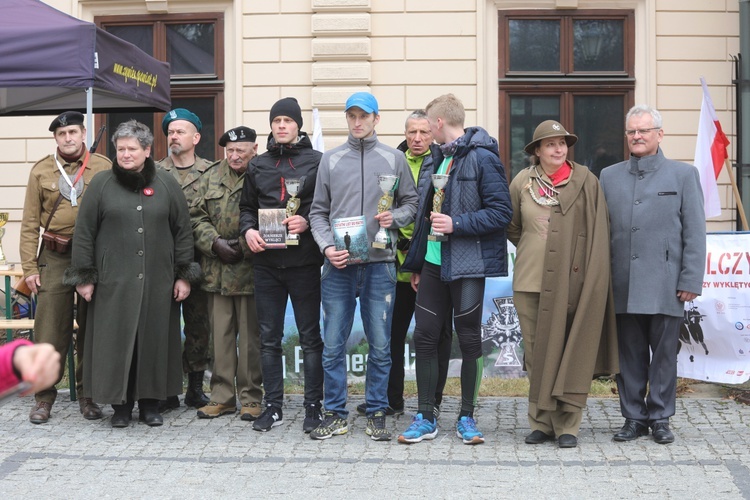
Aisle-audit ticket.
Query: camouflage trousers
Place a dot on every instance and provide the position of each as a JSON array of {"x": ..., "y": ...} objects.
[{"x": 195, "y": 352}]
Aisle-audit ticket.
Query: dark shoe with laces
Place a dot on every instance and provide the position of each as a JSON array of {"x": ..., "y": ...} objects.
[
  {"x": 538, "y": 437},
  {"x": 41, "y": 413},
  {"x": 376, "y": 428},
  {"x": 567, "y": 441},
  {"x": 270, "y": 418},
  {"x": 662, "y": 434},
  {"x": 89, "y": 409},
  {"x": 389, "y": 410},
  {"x": 332, "y": 425},
  {"x": 313, "y": 418},
  {"x": 631, "y": 430}
]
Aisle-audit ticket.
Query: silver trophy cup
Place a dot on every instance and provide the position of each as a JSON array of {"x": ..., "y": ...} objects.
[
  {"x": 293, "y": 187},
  {"x": 439, "y": 181},
  {"x": 387, "y": 184}
]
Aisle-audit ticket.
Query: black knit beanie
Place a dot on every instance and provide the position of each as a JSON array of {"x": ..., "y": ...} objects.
[{"x": 287, "y": 106}]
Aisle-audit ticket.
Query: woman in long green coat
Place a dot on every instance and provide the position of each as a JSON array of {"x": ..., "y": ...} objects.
[{"x": 132, "y": 260}]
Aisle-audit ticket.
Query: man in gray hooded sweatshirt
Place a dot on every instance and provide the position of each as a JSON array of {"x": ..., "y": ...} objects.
[{"x": 348, "y": 186}]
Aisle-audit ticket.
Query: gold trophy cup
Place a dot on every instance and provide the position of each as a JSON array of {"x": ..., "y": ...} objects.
[
  {"x": 387, "y": 184},
  {"x": 293, "y": 187},
  {"x": 439, "y": 181},
  {"x": 3, "y": 220}
]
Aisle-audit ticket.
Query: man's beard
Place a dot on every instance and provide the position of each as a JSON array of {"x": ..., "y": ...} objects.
[{"x": 175, "y": 149}]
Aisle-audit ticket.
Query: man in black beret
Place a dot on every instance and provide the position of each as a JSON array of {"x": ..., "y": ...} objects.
[
  {"x": 228, "y": 280},
  {"x": 56, "y": 187},
  {"x": 182, "y": 128}
]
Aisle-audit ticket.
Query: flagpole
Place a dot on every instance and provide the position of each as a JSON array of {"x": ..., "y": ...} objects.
[{"x": 737, "y": 199}]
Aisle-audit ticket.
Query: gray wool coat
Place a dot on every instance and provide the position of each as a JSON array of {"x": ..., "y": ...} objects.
[{"x": 657, "y": 233}]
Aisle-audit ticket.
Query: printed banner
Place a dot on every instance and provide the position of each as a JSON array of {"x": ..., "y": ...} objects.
[
  {"x": 714, "y": 338},
  {"x": 715, "y": 334},
  {"x": 501, "y": 338}
]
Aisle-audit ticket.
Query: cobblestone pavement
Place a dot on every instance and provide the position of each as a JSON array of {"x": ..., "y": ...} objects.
[{"x": 193, "y": 458}]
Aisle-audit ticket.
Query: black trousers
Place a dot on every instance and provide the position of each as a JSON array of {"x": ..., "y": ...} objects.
[
  {"x": 403, "y": 310},
  {"x": 648, "y": 358}
]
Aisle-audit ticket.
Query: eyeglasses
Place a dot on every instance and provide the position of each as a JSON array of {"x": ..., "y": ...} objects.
[{"x": 640, "y": 131}]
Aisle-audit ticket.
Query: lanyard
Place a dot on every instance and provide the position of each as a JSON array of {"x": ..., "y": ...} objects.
[{"x": 73, "y": 190}]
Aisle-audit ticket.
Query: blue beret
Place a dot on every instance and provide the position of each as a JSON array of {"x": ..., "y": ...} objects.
[{"x": 180, "y": 114}]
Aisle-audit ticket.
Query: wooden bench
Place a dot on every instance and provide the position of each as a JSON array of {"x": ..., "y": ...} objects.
[{"x": 16, "y": 324}]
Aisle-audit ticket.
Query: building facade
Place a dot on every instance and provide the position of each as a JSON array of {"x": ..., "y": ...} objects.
[{"x": 512, "y": 63}]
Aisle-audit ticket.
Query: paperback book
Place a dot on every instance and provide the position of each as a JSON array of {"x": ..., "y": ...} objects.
[
  {"x": 350, "y": 233},
  {"x": 270, "y": 227}
]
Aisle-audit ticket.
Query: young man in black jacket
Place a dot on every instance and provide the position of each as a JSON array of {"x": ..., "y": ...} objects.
[{"x": 292, "y": 272}]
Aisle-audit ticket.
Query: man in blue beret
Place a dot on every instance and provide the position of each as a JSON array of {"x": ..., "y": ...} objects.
[{"x": 183, "y": 131}]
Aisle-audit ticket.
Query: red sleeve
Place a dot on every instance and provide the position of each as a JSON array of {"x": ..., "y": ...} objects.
[{"x": 8, "y": 375}]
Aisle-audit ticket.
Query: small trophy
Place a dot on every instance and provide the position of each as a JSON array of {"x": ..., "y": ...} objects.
[
  {"x": 439, "y": 181},
  {"x": 387, "y": 184},
  {"x": 293, "y": 187},
  {"x": 3, "y": 263}
]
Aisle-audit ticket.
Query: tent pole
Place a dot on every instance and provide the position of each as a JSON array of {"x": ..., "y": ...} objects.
[{"x": 89, "y": 116}]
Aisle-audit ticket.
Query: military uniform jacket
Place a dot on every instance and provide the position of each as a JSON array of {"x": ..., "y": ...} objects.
[
  {"x": 42, "y": 192},
  {"x": 215, "y": 213},
  {"x": 190, "y": 186}
]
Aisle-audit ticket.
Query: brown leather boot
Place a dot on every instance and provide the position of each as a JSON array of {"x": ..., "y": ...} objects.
[
  {"x": 89, "y": 409},
  {"x": 40, "y": 413}
]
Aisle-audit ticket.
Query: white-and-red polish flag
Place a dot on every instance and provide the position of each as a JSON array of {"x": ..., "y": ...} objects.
[{"x": 710, "y": 153}]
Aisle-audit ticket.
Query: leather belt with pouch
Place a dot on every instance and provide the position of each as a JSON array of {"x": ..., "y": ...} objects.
[{"x": 56, "y": 242}]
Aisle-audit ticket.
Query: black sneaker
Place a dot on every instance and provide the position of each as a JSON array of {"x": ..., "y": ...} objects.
[
  {"x": 332, "y": 425},
  {"x": 271, "y": 417},
  {"x": 376, "y": 427},
  {"x": 313, "y": 418},
  {"x": 389, "y": 410}
]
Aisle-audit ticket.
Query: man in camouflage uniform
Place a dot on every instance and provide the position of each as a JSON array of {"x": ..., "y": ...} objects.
[
  {"x": 55, "y": 301},
  {"x": 228, "y": 279},
  {"x": 182, "y": 129}
]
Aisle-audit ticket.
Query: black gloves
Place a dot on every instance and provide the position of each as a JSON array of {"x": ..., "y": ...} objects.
[{"x": 228, "y": 251}]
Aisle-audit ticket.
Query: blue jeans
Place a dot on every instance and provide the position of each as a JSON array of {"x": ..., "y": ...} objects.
[
  {"x": 375, "y": 285},
  {"x": 272, "y": 288}
]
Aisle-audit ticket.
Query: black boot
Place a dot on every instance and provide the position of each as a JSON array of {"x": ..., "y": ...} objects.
[
  {"x": 195, "y": 396},
  {"x": 149, "y": 412},
  {"x": 122, "y": 415}
]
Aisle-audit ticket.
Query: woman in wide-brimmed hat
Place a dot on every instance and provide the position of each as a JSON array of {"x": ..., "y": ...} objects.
[{"x": 561, "y": 284}]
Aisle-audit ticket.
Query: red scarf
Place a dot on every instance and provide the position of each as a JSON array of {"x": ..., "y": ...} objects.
[{"x": 561, "y": 174}]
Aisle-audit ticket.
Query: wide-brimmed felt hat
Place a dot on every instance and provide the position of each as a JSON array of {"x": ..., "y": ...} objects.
[{"x": 549, "y": 128}]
